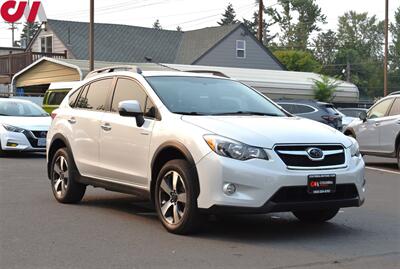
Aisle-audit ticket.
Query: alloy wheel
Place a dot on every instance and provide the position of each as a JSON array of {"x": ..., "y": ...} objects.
[
  {"x": 60, "y": 176},
  {"x": 172, "y": 197}
]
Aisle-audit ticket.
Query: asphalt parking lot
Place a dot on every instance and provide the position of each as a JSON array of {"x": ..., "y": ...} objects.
[{"x": 109, "y": 230}]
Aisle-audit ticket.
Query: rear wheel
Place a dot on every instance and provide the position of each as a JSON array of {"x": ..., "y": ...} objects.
[
  {"x": 176, "y": 197},
  {"x": 316, "y": 216},
  {"x": 63, "y": 179}
]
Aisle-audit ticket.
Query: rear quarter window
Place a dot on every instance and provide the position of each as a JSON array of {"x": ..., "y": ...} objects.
[{"x": 55, "y": 98}]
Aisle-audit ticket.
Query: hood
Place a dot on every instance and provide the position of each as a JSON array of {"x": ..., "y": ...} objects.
[
  {"x": 28, "y": 123},
  {"x": 267, "y": 131}
]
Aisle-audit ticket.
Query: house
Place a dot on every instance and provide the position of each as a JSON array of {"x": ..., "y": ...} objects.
[
  {"x": 273, "y": 83},
  {"x": 226, "y": 46}
]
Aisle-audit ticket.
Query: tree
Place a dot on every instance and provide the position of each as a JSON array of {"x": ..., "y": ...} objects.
[
  {"x": 179, "y": 29},
  {"x": 252, "y": 25},
  {"x": 325, "y": 47},
  {"x": 324, "y": 89},
  {"x": 295, "y": 60},
  {"x": 229, "y": 17},
  {"x": 360, "y": 47},
  {"x": 394, "y": 54},
  {"x": 32, "y": 28},
  {"x": 157, "y": 25},
  {"x": 296, "y": 33}
]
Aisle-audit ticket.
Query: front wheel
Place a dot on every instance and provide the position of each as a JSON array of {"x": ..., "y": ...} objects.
[
  {"x": 176, "y": 197},
  {"x": 63, "y": 179},
  {"x": 398, "y": 156},
  {"x": 316, "y": 216}
]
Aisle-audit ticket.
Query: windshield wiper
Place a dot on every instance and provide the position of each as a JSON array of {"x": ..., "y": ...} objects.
[
  {"x": 190, "y": 113},
  {"x": 247, "y": 113}
]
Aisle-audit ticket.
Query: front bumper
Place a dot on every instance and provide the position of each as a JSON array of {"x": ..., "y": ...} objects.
[
  {"x": 26, "y": 141},
  {"x": 269, "y": 186}
]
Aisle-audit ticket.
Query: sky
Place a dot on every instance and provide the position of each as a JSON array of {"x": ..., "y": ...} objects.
[{"x": 188, "y": 14}]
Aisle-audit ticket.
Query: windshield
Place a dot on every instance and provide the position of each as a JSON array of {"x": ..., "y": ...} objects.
[
  {"x": 20, "y": 109},
  {"x": 211, "y": 96}
]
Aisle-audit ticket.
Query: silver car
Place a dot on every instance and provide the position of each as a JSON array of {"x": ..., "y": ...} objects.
[{"x": 378, "y": 130}]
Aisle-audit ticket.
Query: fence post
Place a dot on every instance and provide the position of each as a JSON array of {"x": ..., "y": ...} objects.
[{"x": 65, "y": 54}]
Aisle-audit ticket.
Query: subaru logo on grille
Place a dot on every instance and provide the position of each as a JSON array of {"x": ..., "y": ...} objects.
[{"x": 315, "y": 154}]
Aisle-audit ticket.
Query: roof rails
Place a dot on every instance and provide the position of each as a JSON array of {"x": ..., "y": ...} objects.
[
  {"x": 112, "y": 69},
  {"x": 213, "y": 72},
  {"x": 394, "y": 93}
]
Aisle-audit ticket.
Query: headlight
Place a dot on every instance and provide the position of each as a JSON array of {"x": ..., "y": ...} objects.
[
  {"x": 233, "y": 149},
  {"x": 354, "y": 148},
  {"x": 14, "y": 129}
]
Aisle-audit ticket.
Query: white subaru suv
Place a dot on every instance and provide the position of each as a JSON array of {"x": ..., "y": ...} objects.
[{"x": 196, "y": 144}]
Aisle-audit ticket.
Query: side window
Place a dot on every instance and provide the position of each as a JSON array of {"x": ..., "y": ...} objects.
[
  {"x": 128, "y": 89},
  {"x": 288, "y": 107},
  {"x": 395, "y": 108},
  {"x": 73, "y": 97},
  {"x": 380, "y": 109},
  {"x": 301, "y": 109},
  {"x": 82, "y": 100},
  {"x": 55, "y": 98},
  {"x": 97, "y": 94}
]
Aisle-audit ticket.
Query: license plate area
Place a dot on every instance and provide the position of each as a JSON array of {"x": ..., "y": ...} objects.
[
  {"x": 320, "y": 184},
  {"x": 41, "y": 142}
]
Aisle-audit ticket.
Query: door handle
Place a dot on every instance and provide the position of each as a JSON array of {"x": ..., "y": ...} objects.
[
  {"x": 72, "y": 120},
  {"x": 106, "y": 127}
]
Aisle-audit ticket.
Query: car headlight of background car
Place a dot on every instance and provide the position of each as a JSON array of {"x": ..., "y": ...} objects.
[
  {"x": 13, "y": 129},
  {"x": 354, "y": 148},
  {"x": 233, "y": 149}
]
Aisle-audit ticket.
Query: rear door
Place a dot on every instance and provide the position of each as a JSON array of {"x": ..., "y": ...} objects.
[
  {"x": 389, "y": 128},
  {"x": 368, "y": 133},
  {"x": 85, "y": 124},
  {"x": 124, "y": 147}
]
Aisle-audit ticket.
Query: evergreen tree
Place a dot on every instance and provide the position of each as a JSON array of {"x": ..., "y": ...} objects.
[
  {"x": 179, "y": 29},
  {"x": 32, "y": 28},
  {"x": 229, "y": 17},
  {"x": 394, "y": 54}
]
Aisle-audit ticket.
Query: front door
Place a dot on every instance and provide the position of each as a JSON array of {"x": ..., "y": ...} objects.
[{"x": 124, "y": 147}]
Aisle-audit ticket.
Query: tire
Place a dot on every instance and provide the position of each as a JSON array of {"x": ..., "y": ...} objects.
[
  {"x": 2, "y": 152},
  {"x": 316, "y": 216},
  {"x": 176, "y": 203},
  {"x": 398, "y": 156},
  {"x": 63, "y": 175}
]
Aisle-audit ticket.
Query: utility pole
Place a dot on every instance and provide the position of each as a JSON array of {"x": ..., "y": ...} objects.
[
  {"x": 13, "y": 28},
  {"x": 385, "y": 67},
  {"x": 91, "y": 37},
  {"x": 260, "y": 20}
]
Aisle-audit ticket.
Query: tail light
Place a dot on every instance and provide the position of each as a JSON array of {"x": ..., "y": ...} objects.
[
  {"x": 53, "y": 115},
  {"x": 330, "y": 118}
]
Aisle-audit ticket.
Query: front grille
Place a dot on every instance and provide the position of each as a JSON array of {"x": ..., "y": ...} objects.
[
  {"x": 39, "y": 134},
  {"x": 296, "y": 156},
  {"x": 33, "y": 139},
  {"x": 300, "y": 194}
]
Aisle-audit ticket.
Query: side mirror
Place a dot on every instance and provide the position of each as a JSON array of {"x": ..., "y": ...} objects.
[
  {"x": 363, "y": 116},
  {"x": 131, "y": 108}
]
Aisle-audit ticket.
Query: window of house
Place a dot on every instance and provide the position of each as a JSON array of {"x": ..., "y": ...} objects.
[
  {"x": 240, "y": 48},
  {"x": 46, "y": 44}
]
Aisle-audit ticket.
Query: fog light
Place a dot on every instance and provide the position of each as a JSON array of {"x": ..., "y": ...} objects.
[
  {"x": 14, "y": 145},
  {"x": 229, "y": 189}
]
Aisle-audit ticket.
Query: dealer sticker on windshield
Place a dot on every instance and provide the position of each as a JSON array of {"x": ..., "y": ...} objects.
[{"x": 319, "y": 184}]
